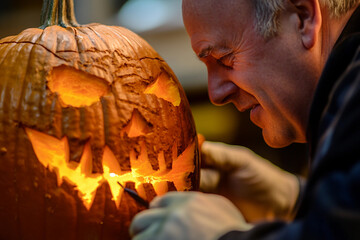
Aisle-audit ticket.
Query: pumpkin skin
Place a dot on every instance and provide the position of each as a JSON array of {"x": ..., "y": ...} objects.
[{"x": 138, "y": 86}]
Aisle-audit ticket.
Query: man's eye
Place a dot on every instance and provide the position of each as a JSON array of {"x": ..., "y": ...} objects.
[{"x": 226, "y": 61}]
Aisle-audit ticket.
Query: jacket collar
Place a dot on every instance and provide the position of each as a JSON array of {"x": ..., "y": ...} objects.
[
  {"x": 337, "y": 62},
  {"x": 352, "y": 27}
]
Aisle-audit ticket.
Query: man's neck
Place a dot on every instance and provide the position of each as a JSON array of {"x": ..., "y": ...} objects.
[{"x": 332, "y": 29}]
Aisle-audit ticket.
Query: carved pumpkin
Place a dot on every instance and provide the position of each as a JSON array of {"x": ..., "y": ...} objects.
[{"x": 82, "y": 108}]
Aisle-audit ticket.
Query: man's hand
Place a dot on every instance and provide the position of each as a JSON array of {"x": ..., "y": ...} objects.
[
  {"x": 261, "y": 190},
  {"x": 186, "y": 216}
]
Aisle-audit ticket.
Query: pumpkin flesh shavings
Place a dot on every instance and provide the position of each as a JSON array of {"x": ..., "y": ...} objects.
[{"x": 53, "y": 154}]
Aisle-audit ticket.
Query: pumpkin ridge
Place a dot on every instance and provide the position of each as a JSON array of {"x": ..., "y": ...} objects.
[
  {"x": 22, "y": 98},
  {"x": 97, "y": 140},
  {"x": 76, "y": 36},
  {"x": 100, "y": 37},
  {"x": 30, "y": 34},
  {"x": 55, "y": 115},
  {"x": 95, "y": 50},
  {"x": 37, "y": 44},
  {"x": 130, "y": 45},
  {"x": 111, "y": 123},
  {"x": 86, "y": 51}
]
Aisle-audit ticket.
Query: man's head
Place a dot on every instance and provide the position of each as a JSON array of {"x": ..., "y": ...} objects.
[
  {"x": 267, "y": 12},
  {"x": 264, "y": 55}
]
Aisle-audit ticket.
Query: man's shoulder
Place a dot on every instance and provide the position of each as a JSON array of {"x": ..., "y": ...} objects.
[
  {"x": 338, "y": 108},
  {"x": 343, "y": 60}
]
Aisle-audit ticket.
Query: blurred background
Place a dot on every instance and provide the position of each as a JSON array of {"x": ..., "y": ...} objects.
[{"x": 160, "y": 23}]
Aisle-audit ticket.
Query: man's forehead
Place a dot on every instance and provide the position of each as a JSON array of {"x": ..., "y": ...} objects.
[
  {"x": 214, "y": 31},
  {"x": 213, "y": 11},
  {"x": 215, "y": 5}
]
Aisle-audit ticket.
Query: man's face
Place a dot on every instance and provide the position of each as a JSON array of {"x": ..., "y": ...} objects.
[{"x": 275, "y": 79}]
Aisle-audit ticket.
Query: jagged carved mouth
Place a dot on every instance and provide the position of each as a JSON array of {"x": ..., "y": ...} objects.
[{"x": 53, "y": 154}]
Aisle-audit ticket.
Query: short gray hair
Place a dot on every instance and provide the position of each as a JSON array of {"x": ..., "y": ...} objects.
[{"x": 267, "y": 13}]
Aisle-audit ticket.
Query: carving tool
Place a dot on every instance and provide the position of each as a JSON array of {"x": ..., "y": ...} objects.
[{"x": 135, "y": 196}]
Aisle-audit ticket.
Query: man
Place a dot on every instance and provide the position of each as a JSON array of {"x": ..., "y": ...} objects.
[{"x": 296, "y": 65}]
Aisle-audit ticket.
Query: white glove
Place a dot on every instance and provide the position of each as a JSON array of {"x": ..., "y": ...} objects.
[
  {"x": 261, "y": 190},
  {"x": 187, "y": 216}
]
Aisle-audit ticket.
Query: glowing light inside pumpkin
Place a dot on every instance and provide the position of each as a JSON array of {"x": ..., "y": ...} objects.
[
  {"x": 54, "y": 154},
  {"x": 76, "y": 88},
  {"x": 165, "y": 88},
  {"x": 142, "y": 172}
]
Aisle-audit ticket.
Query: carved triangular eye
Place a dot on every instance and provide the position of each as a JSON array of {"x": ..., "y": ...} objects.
[
  {"x": 137, "y": 125},
  {"x": 164, "y": 87},
  {"x": 76, "y": 88}
]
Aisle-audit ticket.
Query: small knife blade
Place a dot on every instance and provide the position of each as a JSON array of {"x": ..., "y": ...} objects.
[{"x": 135, "y": 196}]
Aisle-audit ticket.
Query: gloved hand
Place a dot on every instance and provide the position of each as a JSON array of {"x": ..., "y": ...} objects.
[
  {"x": 261, "y": 190},
  {"x": 187, "y": 216}
]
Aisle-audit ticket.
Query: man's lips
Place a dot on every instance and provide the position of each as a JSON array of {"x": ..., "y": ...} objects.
[
  {"x": 251, "y": 107},
  {"x": 255, "y": 107},
  {"x": 254, "y": 111},
  {"x": 255, "y": 114}
]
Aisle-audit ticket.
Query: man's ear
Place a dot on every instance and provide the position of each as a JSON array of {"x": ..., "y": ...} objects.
[{"x": 309, "y": 14}]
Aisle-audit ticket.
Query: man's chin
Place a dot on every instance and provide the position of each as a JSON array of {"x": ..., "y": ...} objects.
[{"x": 276, "y": 141}]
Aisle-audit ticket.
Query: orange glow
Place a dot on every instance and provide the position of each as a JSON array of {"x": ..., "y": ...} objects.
[
  {"x": 76, "y": 88},
  {"x": 142, "y": 172},
  {"x": 54, "y": 154},
  {"x": 137, "y": 125},
  {"x": 165, "y": 88}
]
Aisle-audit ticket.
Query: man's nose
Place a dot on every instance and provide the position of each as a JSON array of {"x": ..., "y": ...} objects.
[{"x": 220, "y": 88}]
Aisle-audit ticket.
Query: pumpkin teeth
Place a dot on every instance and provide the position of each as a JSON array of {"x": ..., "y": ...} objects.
[{"x": 54, "y": 155}]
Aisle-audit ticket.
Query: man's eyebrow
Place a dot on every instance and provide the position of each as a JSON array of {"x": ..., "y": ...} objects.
[{"x": 205, "y": 52}]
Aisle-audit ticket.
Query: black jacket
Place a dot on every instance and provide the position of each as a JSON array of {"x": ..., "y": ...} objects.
[{"x": 330, "y": 206}]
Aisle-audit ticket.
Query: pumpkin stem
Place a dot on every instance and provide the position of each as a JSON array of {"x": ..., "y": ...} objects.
[{"x": 58, "y": 12}]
